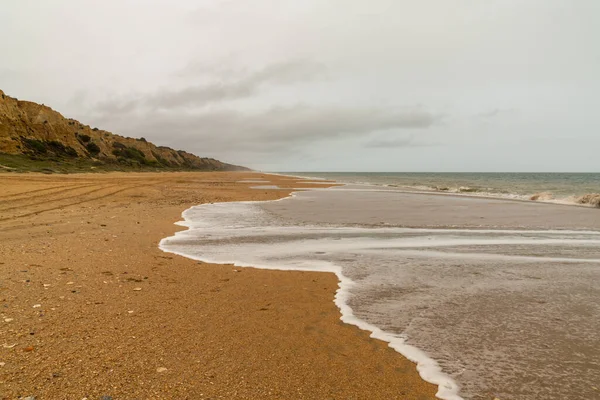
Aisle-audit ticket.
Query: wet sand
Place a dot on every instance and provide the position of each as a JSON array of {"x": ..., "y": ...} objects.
[
  {"x": 439, "y": 210},
  {"x": 504, "y": 297},
  {"x": 91, "y": 307}
]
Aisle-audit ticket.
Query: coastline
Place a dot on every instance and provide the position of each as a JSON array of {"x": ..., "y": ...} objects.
[
  {"x": 571, "y": 200},
  {"x": 428, "y": 368},
  {"x": 248, "y": 234},
  {"x": 80, "y": 247}
]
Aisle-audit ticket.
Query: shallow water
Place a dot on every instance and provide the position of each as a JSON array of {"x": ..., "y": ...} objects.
[
  {"x": 265, "y": 187},
  {"x": 553, "y": 187},
  {"x": 500, "y": 301}
]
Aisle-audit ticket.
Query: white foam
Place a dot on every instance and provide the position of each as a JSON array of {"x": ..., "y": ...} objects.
[
  {"x": 462, "y": 191},
  {"x": 428, "y": 368},
  {"x": 319, "y": 183},
  {"x": 265, "y": 187},
  {"x": 314, "y": 178},
  {"x": 268, "y": 242}
]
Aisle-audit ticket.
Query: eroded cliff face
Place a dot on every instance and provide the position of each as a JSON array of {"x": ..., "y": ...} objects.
[{"x": 37, "y": 131}]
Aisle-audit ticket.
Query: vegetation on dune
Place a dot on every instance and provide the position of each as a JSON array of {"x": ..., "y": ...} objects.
[
  {"x": 54, "y": 148},
  {"x": 21, "y": 163},
  {"x": 83, "y": 137},
  {"x": 92, "y": 148},
  {"x": 33, "y": 137}
]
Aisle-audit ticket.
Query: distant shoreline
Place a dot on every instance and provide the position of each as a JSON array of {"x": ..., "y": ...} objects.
[{"x": 579, "y": 189}]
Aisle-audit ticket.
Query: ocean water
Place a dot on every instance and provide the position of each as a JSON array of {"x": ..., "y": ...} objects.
[
  {"x": 549, "y": 187},
  {"x": 492, "y": 298}
]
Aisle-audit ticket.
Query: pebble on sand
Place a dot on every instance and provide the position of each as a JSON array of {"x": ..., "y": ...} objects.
[
  {"x": 137, "y": 289},
  {"x": 37, "y": 305},
  {"x": 161, "y": 369}
]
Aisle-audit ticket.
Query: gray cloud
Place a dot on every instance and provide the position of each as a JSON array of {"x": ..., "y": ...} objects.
[
  {"x": 395, "y": 142},
  {"x": 7, "y": 73},
  {"x": 245, "y": 85},
  {"x": 224, "y": 78},
  {"x": 276, "y": 129},
  {"x": 181, "y": 118},
  {"x": 496, "y": 113}
]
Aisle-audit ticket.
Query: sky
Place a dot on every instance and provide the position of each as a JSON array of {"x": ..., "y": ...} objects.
[{"x": 322, "y": 85}]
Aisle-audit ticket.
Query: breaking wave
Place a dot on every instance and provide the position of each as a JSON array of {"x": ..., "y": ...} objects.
[
  {"x": 590, "y": 199},
  {"x": 579, "y": 189}
]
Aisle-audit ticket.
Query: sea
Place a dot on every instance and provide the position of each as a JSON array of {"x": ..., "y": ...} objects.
[
  {"x": 566, "y": 188},
  {"x": 493, "y": 295}
]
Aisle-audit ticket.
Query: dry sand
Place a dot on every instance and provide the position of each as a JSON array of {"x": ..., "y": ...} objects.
[{"x": 91, "y": 307}]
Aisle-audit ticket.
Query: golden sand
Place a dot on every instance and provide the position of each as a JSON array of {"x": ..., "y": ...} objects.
[{"x": 91, "y": 307}]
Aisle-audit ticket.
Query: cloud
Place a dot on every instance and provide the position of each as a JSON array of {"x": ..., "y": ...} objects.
[
  {"x": 7, "y": 73},
  {"x": 199, "y": 118},
  {"x": 275, "y": 129},
  {"x": 243, "y": 85},
  {"x": 496, "y": 113},
  {"x": 395, "y": 143}
]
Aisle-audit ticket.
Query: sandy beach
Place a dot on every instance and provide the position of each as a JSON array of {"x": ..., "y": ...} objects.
[{"x": 91, "y": 307}]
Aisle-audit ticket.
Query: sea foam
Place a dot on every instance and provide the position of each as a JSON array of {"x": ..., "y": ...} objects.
[
  {"x": 210, "y": 217},
  {"x": 436, "y": 295}
]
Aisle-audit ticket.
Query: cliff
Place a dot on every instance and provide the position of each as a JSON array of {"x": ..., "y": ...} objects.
[{"x": 38, "y": 133}]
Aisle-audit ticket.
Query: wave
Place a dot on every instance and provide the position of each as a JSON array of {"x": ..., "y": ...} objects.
[
  {"x": 543, "y": 196},
  {"x": 592, "y": 199},
  {"x": 588, "y": 200},
  {"x": 211, "y": 217}
]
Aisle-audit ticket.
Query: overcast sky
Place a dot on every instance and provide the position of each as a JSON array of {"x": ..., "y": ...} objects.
[{"x": 322, "y": 85}]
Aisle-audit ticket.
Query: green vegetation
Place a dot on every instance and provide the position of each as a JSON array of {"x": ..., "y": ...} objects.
[
  {"x": 34, "y": 145},
  {"x": 60, "y": 149},
  {"x": 129, "y": 155},
  {"x": 92, "y": 148},
  {"x": 51, "y": 148},
  {"x": 11, "y": 163},
  {"x": 83, "y": 137},
  {"x": 21, "y": 163},
  {"x": 161, "y": 160}
]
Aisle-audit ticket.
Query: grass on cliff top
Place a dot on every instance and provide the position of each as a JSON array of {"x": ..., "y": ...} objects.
[{"x": 11, "y": 163}]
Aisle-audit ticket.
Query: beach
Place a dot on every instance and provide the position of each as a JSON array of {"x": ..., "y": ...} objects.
[
  {"x": 493, "y": 298},
  {"x": 92, "y": 307}
]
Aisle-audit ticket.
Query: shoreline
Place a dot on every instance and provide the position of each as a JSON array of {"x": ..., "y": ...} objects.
[
  {"x": 261, "y": 235},
  {"x": 428, "y": 368},
  {"x": 471, "y": 195},
  {"x": 85, "y": 248}
]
